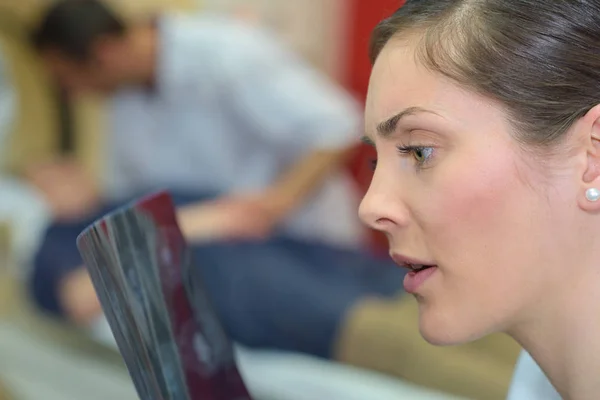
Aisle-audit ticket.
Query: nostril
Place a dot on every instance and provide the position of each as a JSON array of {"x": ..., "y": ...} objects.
[
  {"x": 383, "y": 221},
  {"x": 383, "y": 224}
]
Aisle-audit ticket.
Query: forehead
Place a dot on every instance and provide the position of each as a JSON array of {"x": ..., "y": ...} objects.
[{"x": 399, "y": 81}]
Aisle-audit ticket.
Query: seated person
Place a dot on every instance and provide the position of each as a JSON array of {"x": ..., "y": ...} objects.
[{"x": 252, "y": 143}]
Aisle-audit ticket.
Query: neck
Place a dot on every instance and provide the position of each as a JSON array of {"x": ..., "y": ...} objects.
[{"x": 564, "y": 336}]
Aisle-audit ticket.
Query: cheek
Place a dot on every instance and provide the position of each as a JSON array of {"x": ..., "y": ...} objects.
[
  {"x": 474, "y": 194},
  {"x": 477, "y": 213},
  {"x": 476, "y": 224}
]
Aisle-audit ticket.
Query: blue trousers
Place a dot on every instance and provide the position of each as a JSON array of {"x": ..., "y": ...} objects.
[{"x": 281, "y": 293}]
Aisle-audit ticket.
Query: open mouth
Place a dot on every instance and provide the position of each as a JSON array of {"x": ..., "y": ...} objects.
[
  {"x": 418, "y": 267},
  {"x": 417, "y": 275}
]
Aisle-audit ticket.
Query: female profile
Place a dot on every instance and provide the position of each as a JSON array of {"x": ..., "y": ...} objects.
[{"x": 486, "y": 119}]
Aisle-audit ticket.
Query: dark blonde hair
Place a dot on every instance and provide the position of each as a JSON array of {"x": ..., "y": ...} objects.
[{"x": 539, "y": 58}]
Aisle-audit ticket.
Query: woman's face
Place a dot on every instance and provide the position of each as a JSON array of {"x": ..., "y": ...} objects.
[{"x": 453, "y": 188}]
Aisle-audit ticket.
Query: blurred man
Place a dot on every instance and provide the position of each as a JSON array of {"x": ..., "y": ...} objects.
[
  {"x": 250, "y": 139},
  {"x": 208, "y": 104}
]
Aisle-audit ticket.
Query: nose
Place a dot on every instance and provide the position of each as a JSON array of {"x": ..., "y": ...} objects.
[{"x": 382, "y": 207}]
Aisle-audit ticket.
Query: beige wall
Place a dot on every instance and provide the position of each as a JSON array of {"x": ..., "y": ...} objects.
[
  {"x": 138, "y": 7},
  {"x": 35, "y": 131}
]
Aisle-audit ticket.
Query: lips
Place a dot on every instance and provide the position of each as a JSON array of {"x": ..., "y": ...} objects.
[
  {"x": 419, "y": 272},
  {"x": 412, "y": 264}
]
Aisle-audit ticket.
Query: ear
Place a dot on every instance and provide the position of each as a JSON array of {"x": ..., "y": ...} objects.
[{"x": 591, "y": 177}]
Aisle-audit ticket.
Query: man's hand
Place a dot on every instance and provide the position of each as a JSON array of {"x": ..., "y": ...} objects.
[
  {"x": 242, "y": 217},
  {"x": 255, "y": 216},
  {"x": 68, "y": 190}
]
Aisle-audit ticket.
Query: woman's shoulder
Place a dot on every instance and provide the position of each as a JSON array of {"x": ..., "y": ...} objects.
[{"x": 530, "y": 383}]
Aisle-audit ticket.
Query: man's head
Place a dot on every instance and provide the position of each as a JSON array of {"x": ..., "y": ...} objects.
[{"x": 86, "y": 46}]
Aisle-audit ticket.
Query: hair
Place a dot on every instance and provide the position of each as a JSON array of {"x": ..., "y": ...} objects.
[
  {"x": 539, "y": 59},
  {"x": 74, "y": 26}
]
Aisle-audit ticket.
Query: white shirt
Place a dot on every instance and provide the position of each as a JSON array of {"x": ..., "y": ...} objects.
[
  {"x": 530, "y": 382},
  {"x": 232, "y": 110}
]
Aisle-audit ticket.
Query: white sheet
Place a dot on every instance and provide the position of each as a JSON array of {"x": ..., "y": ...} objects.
[
  {"x": 274, "y": 375},
  {"x": 26, "y": 212}
]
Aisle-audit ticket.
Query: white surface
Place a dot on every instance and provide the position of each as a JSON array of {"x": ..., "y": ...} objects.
[
  {"x": 273, "y": 375},
  {"x": 530, "y": 382},
  {"x": 24, "y": 209},
  {"x": 36, "y": 369},
  {"x": 39, "y": 369},
  {"x": 281, "y": 376}
]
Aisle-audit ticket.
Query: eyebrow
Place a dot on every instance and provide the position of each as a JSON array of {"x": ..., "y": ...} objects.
[
  {"x": 367, "y": 140},
  {"x": 387, "y": 127}
]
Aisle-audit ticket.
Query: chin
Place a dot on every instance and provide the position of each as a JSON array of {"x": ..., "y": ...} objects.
[{"x": 447, "y": 328}]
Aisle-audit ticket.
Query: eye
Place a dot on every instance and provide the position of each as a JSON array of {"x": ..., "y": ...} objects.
[
  {"x": 421, "y": 154},
  {"x": 373, "y": 164}
]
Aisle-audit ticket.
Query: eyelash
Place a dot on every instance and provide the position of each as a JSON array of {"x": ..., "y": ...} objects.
[
  {"x": 373, "y": 164},
  {"x": 407, "y": 150}
]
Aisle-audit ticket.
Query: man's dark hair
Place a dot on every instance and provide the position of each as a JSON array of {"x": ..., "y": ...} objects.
[{"x": 73, "y": 26}]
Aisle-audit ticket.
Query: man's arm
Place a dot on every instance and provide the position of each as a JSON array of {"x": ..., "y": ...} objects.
[
  {"x": 304, "y": 177},
  {"x": 255, "y": 216}
]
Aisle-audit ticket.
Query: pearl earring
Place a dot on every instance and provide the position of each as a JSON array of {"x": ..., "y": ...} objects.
[{"x": 592, "y": 194}]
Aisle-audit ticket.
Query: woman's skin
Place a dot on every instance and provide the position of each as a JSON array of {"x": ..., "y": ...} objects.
[{"x": 515, "y": 241}]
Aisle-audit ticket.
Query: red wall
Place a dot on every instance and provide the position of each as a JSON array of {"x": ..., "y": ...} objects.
[{"x": 364, "y": 16}]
